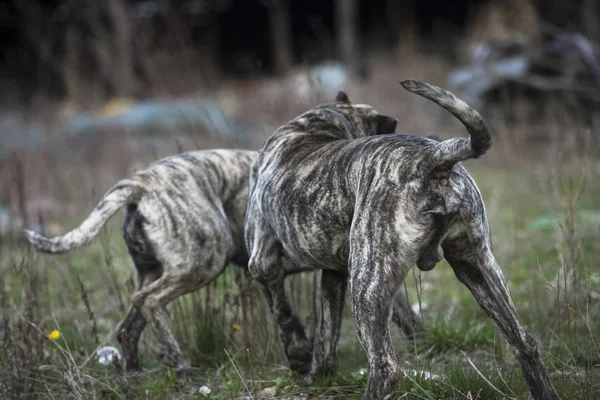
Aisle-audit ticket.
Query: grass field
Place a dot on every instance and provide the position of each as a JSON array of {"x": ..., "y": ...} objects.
[{"x": 545, "y": 221}]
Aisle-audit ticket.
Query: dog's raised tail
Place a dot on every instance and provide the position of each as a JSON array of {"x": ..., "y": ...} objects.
[
  {"x": 119, "y": 195},
  {"x": 451, "y": 151}
]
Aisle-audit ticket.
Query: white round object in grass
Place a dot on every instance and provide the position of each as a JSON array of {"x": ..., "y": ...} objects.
[
  {"x": 106, "y": 354},
  {"x": 204, "y": 390}
]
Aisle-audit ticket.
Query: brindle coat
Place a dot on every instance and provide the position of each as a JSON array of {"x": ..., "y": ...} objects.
[
  {"x": 183, "y": 225},
  {"x": 366, "y": 210}
]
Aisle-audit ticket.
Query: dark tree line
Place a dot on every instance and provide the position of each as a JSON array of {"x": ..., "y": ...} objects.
[{"x": 67, "y": 48}]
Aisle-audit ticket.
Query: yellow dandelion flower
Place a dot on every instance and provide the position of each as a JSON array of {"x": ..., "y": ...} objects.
[
  {"x": 236, "y": 327},
  {"x": 54, "y": 335}
]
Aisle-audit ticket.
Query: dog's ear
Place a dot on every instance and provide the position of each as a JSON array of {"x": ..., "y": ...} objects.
[
  {"x": 342, "y": 97},
  {"x": 385, "y": 124}
]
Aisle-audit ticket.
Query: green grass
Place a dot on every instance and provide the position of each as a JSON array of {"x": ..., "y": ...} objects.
[{"x": 528, "y": 242}]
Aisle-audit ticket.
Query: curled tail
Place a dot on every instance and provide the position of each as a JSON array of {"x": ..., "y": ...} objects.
[
  {"x": 451, "y": 151},
  {"x": 119, "y": 195}
]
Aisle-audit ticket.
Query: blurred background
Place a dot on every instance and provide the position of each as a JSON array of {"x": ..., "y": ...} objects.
[
  {"x": 107, "y": 83},
  {"x": 91, "y": 91}
]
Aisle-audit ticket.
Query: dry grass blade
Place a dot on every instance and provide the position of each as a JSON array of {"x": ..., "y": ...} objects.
[
  {"x": 238, "y": 373},
  {"x": 500, "y": 392},
  {"x": 86, "y": 302},
  {"x": 562, "y": 297}
]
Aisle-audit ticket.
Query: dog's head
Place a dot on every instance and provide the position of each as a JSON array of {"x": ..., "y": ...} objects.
[{"x": 362, "y": 119}]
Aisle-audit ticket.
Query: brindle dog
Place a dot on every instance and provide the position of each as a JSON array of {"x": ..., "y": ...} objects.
[
  {"x": 366, "y": 210},
  {"x": 183, "y": 225}
]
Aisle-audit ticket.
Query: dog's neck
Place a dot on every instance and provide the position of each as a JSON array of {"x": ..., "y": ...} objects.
[{"x": 342, "y": 119}]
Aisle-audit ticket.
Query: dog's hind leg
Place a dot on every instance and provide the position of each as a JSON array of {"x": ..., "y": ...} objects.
[
  {"x": 129, "y": 331},
  {"x": 153, "y": 309},
  {"x": 176, "y": 281},
  {"x": 333, "y": 290},
  {"x": 153, "y": 299},
  {"x": 153, "y": 304},
  {"x": 372, "y": 289},
  {"x": 479, "y": 271},
  {"x": 266, "y": 266},
  {"x": 148, "y": 269}
]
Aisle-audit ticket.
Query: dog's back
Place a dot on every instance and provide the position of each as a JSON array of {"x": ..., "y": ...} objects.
[
  {"x": 191, "y": 196},
  {"x": 175, "y": 193}
]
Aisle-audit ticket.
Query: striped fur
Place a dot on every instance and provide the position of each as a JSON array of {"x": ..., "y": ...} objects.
[
  {"x": 183, "y": 224},
  {"x": 367, "y": 210}
]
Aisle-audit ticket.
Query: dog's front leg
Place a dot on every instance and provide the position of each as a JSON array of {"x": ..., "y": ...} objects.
[
  {"x": 333, "y": 290},
  {"x": 484, "y": 278}
]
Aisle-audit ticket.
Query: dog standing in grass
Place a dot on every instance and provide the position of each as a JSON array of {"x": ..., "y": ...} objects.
[
  {"x": 366, "y": 210},
  {"x": 183, "y": 224}
]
